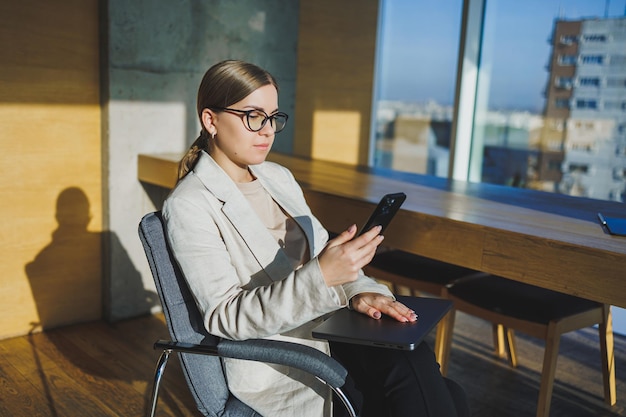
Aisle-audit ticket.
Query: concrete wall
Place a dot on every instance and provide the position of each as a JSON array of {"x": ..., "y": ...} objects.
[{"x": 156, "y": 53}]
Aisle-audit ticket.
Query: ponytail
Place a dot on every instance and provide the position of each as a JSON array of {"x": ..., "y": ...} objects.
[{"x": 189, "y": 161}]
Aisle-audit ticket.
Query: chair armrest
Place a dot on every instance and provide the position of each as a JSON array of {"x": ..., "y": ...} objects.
[
  {"x": 294, "y": 355},
  {"x": 278, "y": 352}
]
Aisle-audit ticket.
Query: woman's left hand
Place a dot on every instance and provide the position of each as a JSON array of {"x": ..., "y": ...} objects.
[{"x": 375, "y": 305}]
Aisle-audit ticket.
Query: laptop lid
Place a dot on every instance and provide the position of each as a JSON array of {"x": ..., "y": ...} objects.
[{"x": 351, "y": 327}]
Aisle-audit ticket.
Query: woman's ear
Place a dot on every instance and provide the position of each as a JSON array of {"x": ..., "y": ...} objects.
[{"x": 208, "y": 119}]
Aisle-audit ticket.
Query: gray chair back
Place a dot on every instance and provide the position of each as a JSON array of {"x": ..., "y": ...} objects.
[{"x": 204, "y": 374}]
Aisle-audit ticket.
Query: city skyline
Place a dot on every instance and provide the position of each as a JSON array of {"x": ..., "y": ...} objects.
[{"x": 413, "y": 67}]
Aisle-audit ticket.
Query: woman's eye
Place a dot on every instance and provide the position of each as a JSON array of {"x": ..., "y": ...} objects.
[{"x": 256, "y": 115}]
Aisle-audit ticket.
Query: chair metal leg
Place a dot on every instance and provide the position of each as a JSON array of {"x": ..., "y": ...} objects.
[
  {"x": 158, "y": 374},
  {"x": 345, "y": 401}
]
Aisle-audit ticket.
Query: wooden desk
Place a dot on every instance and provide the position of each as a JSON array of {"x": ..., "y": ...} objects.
[{"x": 545, "y": 239}]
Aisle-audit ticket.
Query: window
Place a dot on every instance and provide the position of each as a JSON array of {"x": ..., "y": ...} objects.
[
  {"x": 483, "y": 106},
  {"x": 414, "y": 88},
  {"x": 578, "y": 168},
  {"x": 581, "y": 147},
  {"x": 563, "y": 82},
  {"x": 618, "y": 61},
  {"x": 506, "y": 118},
  {"x": 561, "y": 103},
  {"x": 528, "y": 116},
  {"x": 589, "y": 81},
  {"x": 567, "y": 60},
  {"x": 595, "y": 38},
  {"x": 592, "y": 59},
  {"x": 583, "y": 125},
  {"x": 612, "y": 105},
  {"x": 616, "y": 82},
  {"x": 586, "y": 104},
  {"x": 568, "y": 39},
  {"x": 554, "y": 166}
]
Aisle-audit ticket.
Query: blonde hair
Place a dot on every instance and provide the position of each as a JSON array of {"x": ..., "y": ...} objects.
[{"x": 224, "y": 84}]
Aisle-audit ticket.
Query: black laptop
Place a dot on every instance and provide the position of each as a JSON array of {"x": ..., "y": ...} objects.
[{"x": 348, "y": 326}]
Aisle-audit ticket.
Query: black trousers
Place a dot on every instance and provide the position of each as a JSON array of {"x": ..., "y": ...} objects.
[{"x": 396, "y": 383}]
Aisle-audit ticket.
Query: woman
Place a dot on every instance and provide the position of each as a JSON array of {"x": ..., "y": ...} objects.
[{"x": 260, "y": 265}]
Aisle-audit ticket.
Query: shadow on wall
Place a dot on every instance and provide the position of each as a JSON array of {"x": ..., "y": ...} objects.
[{"x": 66, "y": 277}]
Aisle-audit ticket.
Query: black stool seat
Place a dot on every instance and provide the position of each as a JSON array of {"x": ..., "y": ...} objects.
[
  {"x": 519, "y": 300},
  {"x": 537, "y": 312},
  {"x": 405, "y": 272},
  {"x": 419, "y": 267}
]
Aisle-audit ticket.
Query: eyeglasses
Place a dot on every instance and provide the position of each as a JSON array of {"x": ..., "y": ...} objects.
[{"x": 255, "y": 120}]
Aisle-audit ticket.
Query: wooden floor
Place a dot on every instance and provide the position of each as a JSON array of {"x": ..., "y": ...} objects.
[{"x": 100, "y": 369}]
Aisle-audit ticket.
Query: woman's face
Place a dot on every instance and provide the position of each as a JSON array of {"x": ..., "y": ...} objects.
[{"x": 235, "y": 145}]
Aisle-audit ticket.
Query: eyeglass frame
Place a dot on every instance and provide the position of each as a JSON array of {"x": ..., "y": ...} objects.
[{"x": 247, "y": 113}]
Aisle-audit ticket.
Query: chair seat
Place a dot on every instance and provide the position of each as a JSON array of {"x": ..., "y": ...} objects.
[
  {"x": 519, "y": 300},
  {"x": 418, "y": 267}
]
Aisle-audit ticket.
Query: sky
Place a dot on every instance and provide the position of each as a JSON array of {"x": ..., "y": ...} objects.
[{"x": 419, "y": 47}]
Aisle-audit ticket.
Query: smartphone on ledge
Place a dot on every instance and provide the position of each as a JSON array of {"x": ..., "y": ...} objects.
[{"x": 384, "y": 212}]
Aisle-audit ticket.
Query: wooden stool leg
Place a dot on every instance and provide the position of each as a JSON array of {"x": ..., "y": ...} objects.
[
  {"x": 553, "y": 339},
  {"x": 511, "y": 347},
  {"x": 605, "y": 332},
  {"x": 498, "y": 340},
  {"x": 443, "y": 340},
  {"x": 504, "y": 343}
]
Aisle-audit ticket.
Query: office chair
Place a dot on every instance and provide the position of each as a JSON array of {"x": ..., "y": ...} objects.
[{"x": 200, "y": 352}]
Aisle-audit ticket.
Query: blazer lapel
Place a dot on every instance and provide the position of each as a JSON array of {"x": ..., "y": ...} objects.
[{"x": 243, "y": 218}]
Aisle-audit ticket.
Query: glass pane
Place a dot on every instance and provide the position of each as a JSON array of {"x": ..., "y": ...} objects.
[
  {"x": 551, "y": 103},
  {"x": 415, "y": 82}
]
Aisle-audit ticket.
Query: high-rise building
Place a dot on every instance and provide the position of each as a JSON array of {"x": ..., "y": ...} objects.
[{"x": 586, "y": 98}]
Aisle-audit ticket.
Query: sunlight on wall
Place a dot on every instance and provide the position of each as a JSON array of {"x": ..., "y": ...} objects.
[
  {"x": 52, "y": 197},
  {"x": 336, "y": 136}
]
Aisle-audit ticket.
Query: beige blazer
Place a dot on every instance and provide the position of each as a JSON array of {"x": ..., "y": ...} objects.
[{"x": 244, "y": 284}]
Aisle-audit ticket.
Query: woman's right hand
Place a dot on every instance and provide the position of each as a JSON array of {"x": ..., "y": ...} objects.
[{"x": 344, "y": 256}]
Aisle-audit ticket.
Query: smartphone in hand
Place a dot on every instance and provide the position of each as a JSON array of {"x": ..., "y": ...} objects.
[{"x": 384, "y": 212}]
